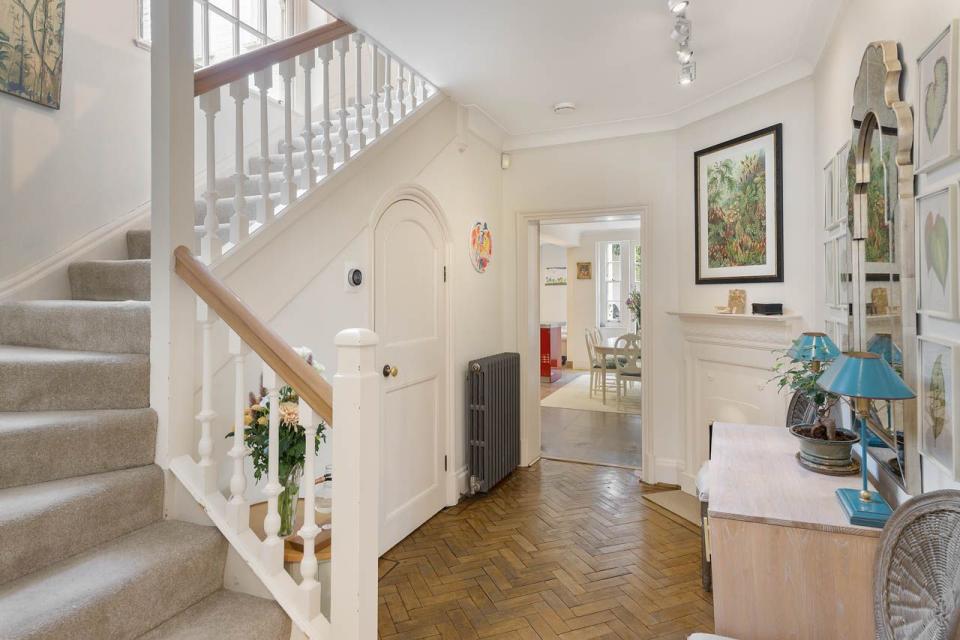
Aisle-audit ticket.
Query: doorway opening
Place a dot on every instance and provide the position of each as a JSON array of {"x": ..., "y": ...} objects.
[{"x": 589, "y": 324}]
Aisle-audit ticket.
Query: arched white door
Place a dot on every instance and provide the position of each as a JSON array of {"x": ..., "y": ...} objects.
[{"x": 409, "y": 317}]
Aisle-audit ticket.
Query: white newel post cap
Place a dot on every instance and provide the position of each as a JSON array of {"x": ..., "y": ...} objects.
[{"x": 356, "y": 338}]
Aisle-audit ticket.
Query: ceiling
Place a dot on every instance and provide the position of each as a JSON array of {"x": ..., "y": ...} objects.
[{"x": 514, "y": 59}]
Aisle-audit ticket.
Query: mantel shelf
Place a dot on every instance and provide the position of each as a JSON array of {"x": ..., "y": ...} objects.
[{"x": 706, "y": 315}]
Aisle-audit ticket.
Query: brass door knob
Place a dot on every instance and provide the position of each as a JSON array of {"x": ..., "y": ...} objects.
[{"x": 389, "y": 371}]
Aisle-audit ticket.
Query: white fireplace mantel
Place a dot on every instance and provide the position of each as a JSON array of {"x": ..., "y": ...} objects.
[{"x": 728, "y": 363}]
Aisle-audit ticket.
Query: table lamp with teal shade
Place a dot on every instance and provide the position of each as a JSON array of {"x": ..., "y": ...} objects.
[
  {"x": 813, "y": 347},
  {"x": 863, "y": 377}
]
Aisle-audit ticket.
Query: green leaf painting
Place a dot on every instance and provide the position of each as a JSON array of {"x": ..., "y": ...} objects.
[
  {"x": 937, "y": 246},
  {"x": 31, "y": 49},
  {"x": 935, "y": 98},
  {"x": 878, "y": 246},
  {"x": 937, "y": 399},
  {"x": 737, "y": 212}
]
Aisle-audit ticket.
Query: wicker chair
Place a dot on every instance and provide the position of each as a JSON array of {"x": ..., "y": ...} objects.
[{"x": 917, "y": 573}]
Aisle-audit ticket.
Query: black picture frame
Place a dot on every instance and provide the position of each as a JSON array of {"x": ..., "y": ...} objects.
[{"x": 777, "y": 132}]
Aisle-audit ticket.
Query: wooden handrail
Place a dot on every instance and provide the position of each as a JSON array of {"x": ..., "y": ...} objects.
[
  {"x": 264, "y": 341},
  {"x": 221, "y": 73}
]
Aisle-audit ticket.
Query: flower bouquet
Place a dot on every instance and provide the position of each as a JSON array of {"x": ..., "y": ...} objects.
[
  {"x": 293, "y": 444},
  {"x": 633, "y": 303}
]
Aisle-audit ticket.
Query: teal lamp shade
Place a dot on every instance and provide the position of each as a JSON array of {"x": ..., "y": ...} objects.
[
  {"x": 813, "y": 346},
  {"x": 864, "y": 375},
  {"x": 882, "y": 345}
]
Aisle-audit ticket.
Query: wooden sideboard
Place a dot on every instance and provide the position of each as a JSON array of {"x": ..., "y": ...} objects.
[{"x": 786, "y": 563}]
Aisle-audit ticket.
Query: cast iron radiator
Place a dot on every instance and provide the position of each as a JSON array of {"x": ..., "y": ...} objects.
[{"x": 493, "y": 419}]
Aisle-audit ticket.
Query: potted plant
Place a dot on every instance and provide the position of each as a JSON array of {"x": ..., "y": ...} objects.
[
  {"x": 824, "y": 446},
  {"x": 634, "y": 304},
  {"x": 292, "y": 452}
]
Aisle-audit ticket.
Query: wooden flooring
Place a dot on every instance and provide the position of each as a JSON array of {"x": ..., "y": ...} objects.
[{"x": 558, "y": 550}]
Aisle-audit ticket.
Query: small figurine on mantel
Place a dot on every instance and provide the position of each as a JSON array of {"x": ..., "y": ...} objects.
[{"x": 736, "y": 302}]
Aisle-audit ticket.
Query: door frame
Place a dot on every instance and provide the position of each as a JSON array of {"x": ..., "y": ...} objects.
[
  {"x": 528, "y": 321},
  {"x": 415, "y": 193}
]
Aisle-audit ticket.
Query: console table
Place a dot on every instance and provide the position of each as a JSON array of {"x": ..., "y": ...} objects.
[{"x": 786, "y": 563}]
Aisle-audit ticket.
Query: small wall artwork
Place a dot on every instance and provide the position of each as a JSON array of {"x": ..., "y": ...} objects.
[
  {"x": 31, "y": 50},
  {"x": 937, "y": 101},
  {"x": 937, "y": 238},
  {"x": 938, "y": 402},
  {"x": 829, "y": 195},
  {"x": 739, "y": 209},
  {"x": 555, "y": 277},
  {"x": 584, "y": 271},
  {"x": 481, "y": 246}
]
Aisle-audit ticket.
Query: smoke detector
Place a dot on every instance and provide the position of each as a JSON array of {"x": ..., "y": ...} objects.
[{"x": 562, "y": 108}]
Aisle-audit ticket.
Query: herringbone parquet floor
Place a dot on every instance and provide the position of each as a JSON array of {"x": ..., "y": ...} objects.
[{"x": 559, "y": 550}]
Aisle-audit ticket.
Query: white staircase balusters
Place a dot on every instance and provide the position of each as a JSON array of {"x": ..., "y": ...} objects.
[
  {"x": 387, "y": 90},
  {"x": 238, "y": 510},
  {"x": 401, "y": 93},
  {"x": 343, "y": 148},
  {"x": 358, "y": 40},
  {"x": 326, "y": 55},
  {"x": 413, "y": 90},
  {"x": 287, "y": 73},
  {"x": 374, "y": 90},
  {"x": 240, "y": 221},
  {"x": 263, "y": 80},
  {"x": 208, "y": 468},
  {"x": 210, "y": 246},
  {"x": 309, "y": 586},
  {"x": 307, "y": 63},
  {"x": 273, "y": 544}
]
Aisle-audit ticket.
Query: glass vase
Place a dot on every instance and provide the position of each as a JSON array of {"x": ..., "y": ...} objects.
[{"x": 287, "y": 500}]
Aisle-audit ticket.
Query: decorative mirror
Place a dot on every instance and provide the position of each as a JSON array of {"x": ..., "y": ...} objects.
[{"x": 879, "y": 261}]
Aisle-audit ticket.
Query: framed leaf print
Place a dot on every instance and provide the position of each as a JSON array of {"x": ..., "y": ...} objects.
[
  {"x": 31, "y": 50},
  {"x": 936, "y": 107},
  {"x": 937, "y": 265},
  {"x": 938, "y": 402},
  {"x": 739, "y": 209},
  {"x": 829, "y": 195}
]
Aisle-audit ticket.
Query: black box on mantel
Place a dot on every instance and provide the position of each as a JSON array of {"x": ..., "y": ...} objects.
[{"x": 767, "y": 309}]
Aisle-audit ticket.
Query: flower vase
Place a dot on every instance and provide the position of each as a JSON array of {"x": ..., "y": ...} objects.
[{"x": 287, "y": 500}]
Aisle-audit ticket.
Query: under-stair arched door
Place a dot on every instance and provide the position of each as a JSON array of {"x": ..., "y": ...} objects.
[{"x": 411, "y": 321}]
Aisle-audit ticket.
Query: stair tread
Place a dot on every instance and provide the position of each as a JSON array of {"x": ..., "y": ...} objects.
[
  {"x": 91, "y": 509},
  {"x": 120, "y": 589},
  {"x": 23, "y": 353},
  {"x": 226, "y": 615},
  {"x": 114, "y": 326},
  {"x": 98, "y": 440}
]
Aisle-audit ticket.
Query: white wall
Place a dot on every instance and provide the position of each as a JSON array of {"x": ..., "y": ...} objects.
[
  {"x": 553, "y": 299},
  {"x": 66, "y": 173},
  {"x": 914, "y": 26},
  {"x": 582, "y": 294}
]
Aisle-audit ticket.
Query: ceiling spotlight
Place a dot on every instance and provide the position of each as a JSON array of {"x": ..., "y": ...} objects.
[
  {"x": 678, "y": 6},
  {"x": 684, "y": 55},
  {"x": 688, "y": 73},
  {"x": 681, "y": 31}
]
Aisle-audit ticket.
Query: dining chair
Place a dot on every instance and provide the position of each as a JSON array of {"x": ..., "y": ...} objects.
[
  {"x": 916, "y": 584},
  {"x": 627, "y": 362},
  {"x": 599, "y": 366}
]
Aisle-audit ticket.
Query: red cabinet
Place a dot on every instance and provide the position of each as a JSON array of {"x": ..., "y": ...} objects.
[{"x": 549, "y": 352}]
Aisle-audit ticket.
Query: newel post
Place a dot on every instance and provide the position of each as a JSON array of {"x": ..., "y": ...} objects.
[{"x": 356, "y": 486}]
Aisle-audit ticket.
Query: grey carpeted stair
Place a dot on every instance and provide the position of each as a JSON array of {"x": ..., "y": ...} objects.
[
  {"x": 43, "y": 523},
  {"x": 110, "y": 280},
  {"x": 120, "y": 589},
  {"x": 38, "y": 379},
  {"x": 226, "y": 615},
  {"x": 49, "y": 445},
  {"x": 138, "y": 244},
  {"x": 114, "y": 327}
]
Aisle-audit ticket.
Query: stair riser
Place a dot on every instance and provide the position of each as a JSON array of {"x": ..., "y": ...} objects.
[
  {"x": 138, "y": 245},
  {"x": 110, "y": 280},
  {"x": 122, "y": 328},
  {"x": 76, "y": 384},
  {"x": 41, "y": 534},
  {"x": 88, "y": 443}
]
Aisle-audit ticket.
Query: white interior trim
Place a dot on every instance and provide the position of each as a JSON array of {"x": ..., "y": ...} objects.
[{"x": 528, "y": 323}]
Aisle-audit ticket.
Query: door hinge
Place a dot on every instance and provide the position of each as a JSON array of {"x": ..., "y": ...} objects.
[
  {"x": 444, "y": 463},
  {"x": 444, "y": 273}
]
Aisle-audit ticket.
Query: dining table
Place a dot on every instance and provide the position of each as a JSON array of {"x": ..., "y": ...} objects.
[{"x": 608, "y": 347}]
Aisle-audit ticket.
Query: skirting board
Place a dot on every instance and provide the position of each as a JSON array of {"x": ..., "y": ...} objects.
[
  {"x": 667, "y": 471},
  {"x": 47, "y": 279}
]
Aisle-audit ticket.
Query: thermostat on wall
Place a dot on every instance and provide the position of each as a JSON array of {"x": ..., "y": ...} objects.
[{"x": 353, "y": 276}]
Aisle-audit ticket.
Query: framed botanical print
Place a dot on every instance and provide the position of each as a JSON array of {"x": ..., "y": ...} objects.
[
  {"x": 844, "y": 178},
  {"x": 938, "y": 402},
  {"x": 830, "y": 271},
  {"x": 584, "y": 270},
  {"x": 738, "y": 223},
  {"x": 31, "y": 50},
  {"x": 829, "y": 195},
  {"x": 937, "y": 266},
  {"x": 936, "y": 108}
]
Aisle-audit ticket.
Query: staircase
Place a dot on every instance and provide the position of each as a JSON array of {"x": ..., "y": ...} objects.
[{"x": 85, "y": 552}]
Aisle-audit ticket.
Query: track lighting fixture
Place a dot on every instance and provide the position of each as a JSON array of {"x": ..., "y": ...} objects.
[
  {"x": 681, "y": 34},
  {"x": 684, "y": 55},
  {"x": 677, "y": 7},
  {"x": 688, "y": 73}
]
